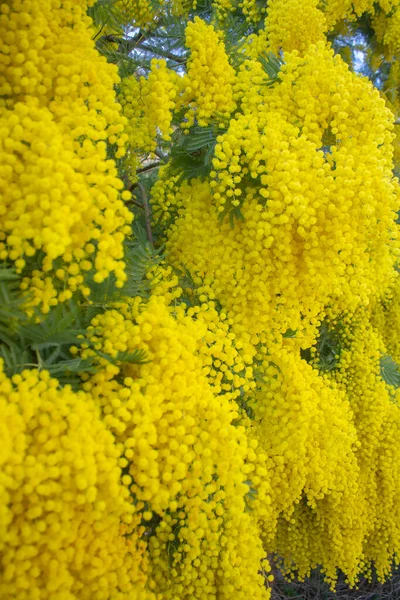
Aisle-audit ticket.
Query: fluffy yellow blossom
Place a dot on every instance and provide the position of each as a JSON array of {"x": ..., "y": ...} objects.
[
  {"x": 377, "y": 419},
  {"x": 57, "y": 111},
  {"x": 214, "y": 430},
  {"x": 224, "y": 8},
  {"x": 305, "y": 172},
  {"x": 252, "y": 10},
  {"x": 66, "y": 523},
  {"x": 138, "y": 13},
  {"x": 148, "y": 105},
  {"x": 209, "y": 79},
  {"x": 294, "y": 25},
  {"x": 188, "y": 461},
  {"x": 166, "y": 198},
  {"x": 305, "y": 426},
  {"x": 391, "y": 35},
  {"x": 309, "y": 165},
  {"x": 339, "y": 10},
  {"x": 386, "y": 319}
]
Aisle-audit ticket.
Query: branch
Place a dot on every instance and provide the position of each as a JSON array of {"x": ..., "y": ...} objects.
[
  {"x": 154, "y": 50},
  {"x": 147, "y": 214},
  {"x": 161, "y": 155},
  {"x": 148, "y": 167},
  {"x": 99, "y": 32},
  {"x": 136, "y": 203},
  {"x": 124, "y": 45}
]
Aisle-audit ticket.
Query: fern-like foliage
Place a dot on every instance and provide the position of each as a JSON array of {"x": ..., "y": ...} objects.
[
  {"x": 44, "y": 341},
  {"x": 271, "y": 65},
  {"x": 325, "y": 355},
  {"x": 191, "y": 155},
  {"x": 11, "y": 303},
  {"x": 390, "y": 371},
  {"x": 106, "y": 14}
]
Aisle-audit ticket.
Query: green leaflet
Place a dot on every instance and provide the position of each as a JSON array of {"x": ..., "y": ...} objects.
[
  {"x": 191, "y": 155},
  {"x": 390, "y": 371},
  {"x": 11, "y": 303},
  {"x": 271, "y": 65}
]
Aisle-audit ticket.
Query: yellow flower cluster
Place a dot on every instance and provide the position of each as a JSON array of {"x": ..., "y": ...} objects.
[
  {"x": 175, "y": 476},
  {"x": 67, "y": 527},
  {"x": 181, "y": 8},
  {"x": 305, "y": 427},
  {"x": 60, "y": 193},
  {"x": 148, "y": 105},
  {"x": 166, "y": 197},
  {"x": 377, "y": 418},
  {"x": 386, "y": 320},
  {"x": 308, "y": 162},
  {"x": 391, "y": 32},
  {"x": 138, "y": 13},
  {"x": 185, "y": 460},
  {"x": 337, "y": 10},
  {"x": 223, "y": 8},
  {"x": 208, "y": 83},
  {"x": 294, "y": 25},
  {"x": 252, "y": 10},
  {"x": 144, "y": 14}
]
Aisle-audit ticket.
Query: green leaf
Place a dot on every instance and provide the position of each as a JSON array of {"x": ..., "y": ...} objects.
[
  {"x": 140, "y": 257},
  {"x": 192, "y": 153},
  {"x": 137, "y": 357},
  {"x": 11, "y": 303},
  {"x": 74, "y": 365},
  {"x": 233, "y": 213},
  {"x": 271, "y": 65},
  {"x": 15, "y": 359},
  {"x": 290, "y": 333},
  {"x": 390, "y": 371},
  {"x": 200, "y": 137},
  {"x": 56, "y": 329}
]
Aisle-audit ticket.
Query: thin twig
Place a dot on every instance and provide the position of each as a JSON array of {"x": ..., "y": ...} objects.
[
  {"x": 160, "y": 155},
  {"x": 148, "y": 167},
  {"x": 124, "y": 45},
  {"x": 39, "y": 359},
  {"x": 136, "y": 203},
  {"x": 147, "y": 214},
  {"x": 100, "y": 30},
  {"x": 153, "y": 49}
]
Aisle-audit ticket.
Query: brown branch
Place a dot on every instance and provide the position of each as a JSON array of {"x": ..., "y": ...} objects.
[
  {"x": 148, "y": 167},
  {"x": 178, "y": 59},
  {"x": 161, "y": 155},
  {"x": 99, "y": 32},
  {"x": 124, "y": 45},
  {"x": 136, "y": 203},
  {"x": 147, "y": 214}
]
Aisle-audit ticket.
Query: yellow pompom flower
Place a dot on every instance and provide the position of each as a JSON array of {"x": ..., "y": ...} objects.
[
  {"x": 148, "y": 105},
  {"x": 67, "y": 525},
  {"x": 208, "y": 83},
  {"x": 294, "y": 25},
  {"x": 57, "y": 111},
  {"x": 188, "y": 461}
]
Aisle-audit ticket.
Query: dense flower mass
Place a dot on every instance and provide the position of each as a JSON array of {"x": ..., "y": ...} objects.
[
  {"x": 305, "y": 171},
  {"x": 186, "y": 460},
  {"x": 241, "y": 400},
  {"x": 329, "y": 207},
  {"x": 208, "y": 83},
  {"x": 148, "y": 105},
  {"x": 61, "y": 197},
  {"x": 64, "y": 511},
  {"x": 294, "y": 25}
]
